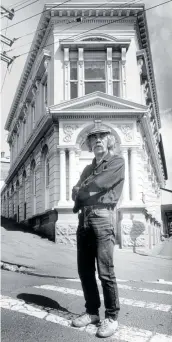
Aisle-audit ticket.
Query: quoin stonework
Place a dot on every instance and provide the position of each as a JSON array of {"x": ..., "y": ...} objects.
[{"x": 89, "y": 64}]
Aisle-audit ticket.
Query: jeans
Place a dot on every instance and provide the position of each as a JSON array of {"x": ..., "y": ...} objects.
[{"x": 95, "y": 242}]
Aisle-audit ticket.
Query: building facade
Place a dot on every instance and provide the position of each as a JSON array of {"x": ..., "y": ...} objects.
[
  {"x": 4, "y": 166},
  {"x": 89, "y": 64}
]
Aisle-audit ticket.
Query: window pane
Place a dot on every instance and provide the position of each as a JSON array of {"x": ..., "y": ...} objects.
[
  {"x": 94, "y": 70},
  {"x": 47, "y": 173},
  {"x": 73, "y": 90},
  {"x": 90, "y": 87},
  {"x": 45, "y": 93},
  {"x": 73, "y": 70},
  {"x": 115, "y": 70},
  {"x": 116, "y": 88}
]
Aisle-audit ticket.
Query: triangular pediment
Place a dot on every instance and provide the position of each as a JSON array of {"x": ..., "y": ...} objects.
[{"x": 98, "y": 101}]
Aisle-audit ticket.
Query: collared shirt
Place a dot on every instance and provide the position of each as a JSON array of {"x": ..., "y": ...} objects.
[{"x": 101, "y": 183}]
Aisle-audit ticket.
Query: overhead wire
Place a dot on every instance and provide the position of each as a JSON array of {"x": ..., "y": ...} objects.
[
  {"x": 123, "y": 5},
  {"x": 32, "y": 16},
  {"x": 4, "y": 80},
  {"x": 18, "y": 3},
  {"x": 112, "y": 21},
  {"x": 5, "y": 33},
  {"x": 19, "y": 9}
]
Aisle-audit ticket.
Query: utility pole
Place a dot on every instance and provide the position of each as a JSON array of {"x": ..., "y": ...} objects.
[
  {"x": 6, "y": 58},
  {"x": 8, "y": 13},
  {"x": 6, "y": 40}
]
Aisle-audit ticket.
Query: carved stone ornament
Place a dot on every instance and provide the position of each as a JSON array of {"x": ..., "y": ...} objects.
[
  {"x": 68, "y": 130},
  {"x": 140, "y": 65},
  {"x": 127, "y": 131}
]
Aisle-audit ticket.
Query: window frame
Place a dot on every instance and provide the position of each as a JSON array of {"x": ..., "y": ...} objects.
[
  {"x": 88, "y": 59},
  {"x": 74, "y": 81},
  {"x": 116, "y": 80},
  {"x": 33, "y": 114}
]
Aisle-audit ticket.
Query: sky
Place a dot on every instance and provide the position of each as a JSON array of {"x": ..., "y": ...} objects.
[{"x": 160, "y": 31}]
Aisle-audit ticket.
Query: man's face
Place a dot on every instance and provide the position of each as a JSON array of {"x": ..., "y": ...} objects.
[{"x": 99, "y": 143}]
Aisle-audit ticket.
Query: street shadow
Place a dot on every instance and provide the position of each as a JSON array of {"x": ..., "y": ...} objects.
[
  {"x": 136, "y": 231},
  {"x": 43, "y": 302},
  {"x": 12, "y": 225}
]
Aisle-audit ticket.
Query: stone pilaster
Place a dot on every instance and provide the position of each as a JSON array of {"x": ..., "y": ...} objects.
[
  {"x": 134, "y": 175},
  {"x": 126, "y": 196},
  {"x": 62, "y": 200},
  {"x": 123, "y": 55},
  {"x": 66, "y": 74},
  {"x": 109, "y": 71},
  {"x": 80, "y": 72},
  {"x": 72, "y": 174}
]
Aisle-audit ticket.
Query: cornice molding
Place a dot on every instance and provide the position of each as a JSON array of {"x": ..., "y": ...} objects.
[
  {"x": 95, "y": 115},
  {"x": 31, "y": 86},
  {"x": 102, "y": 20},
  {"x": 144, "y": 42},
  {"x": 141, "y": 54},
  {"x": 92, "y": 10},
  {"x": 152, "y": 148},
  {"x": 35, "y": 46}
]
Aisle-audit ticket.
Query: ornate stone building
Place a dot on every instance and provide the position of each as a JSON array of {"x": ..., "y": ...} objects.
[{"x": 88, "y": 63}]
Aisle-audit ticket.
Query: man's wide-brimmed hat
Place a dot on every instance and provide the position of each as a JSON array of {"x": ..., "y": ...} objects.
[{"x": 99, "y": 129}]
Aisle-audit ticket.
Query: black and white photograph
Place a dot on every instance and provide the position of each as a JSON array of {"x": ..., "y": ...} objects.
[{"x": 86, "y": 170}]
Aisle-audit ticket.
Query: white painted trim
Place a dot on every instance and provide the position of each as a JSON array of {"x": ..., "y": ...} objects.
[
  {"x": 123, "y": 333},
  {"x": 124, "y": 301}
]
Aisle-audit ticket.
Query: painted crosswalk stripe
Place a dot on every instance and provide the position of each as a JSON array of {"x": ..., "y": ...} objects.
[
  {"x": 124, "y": 301},
  {"x": 159, "y": 282},
  {"x": 124, "y": 333},
  {"x": 140, "y": 289}
]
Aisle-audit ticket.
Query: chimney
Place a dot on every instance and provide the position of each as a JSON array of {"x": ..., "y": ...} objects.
[{"x": 2, "y": 154}]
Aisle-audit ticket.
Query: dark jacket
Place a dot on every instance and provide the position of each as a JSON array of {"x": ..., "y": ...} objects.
[{"x": 102, "y": 183}]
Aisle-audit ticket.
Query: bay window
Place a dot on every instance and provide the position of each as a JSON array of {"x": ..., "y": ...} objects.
[{"x": 94, "y": 65}]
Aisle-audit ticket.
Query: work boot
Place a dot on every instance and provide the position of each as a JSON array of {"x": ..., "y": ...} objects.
[
  {"x": 107, "y": 327},
  {"x": 85, "y": 319}
]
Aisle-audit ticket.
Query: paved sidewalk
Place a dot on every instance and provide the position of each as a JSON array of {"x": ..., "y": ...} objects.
[{"x": 37, "y": 255}]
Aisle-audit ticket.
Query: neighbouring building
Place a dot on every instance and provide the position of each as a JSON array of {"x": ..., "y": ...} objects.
[
  {"x": 90, "y": 63},
  {"x": 4, "y": 166}
]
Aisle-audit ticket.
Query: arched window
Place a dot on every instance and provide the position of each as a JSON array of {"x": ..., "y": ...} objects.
[
  {"x": 12, "y": 200},
  {"x": 46, "y": 175},
  {"x": 24, "y": 193},
  {"x": 3, "y": 208},
  {"x": 33, "y": 185},
  {"x": 7, "y": 203},
  {"x": 17, "y": 200}
]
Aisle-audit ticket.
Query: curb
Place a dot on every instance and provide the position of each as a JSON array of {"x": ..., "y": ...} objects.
[{"x": 27, "y": 270}]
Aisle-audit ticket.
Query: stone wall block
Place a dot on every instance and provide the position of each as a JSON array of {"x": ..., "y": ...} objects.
[{"x": 66, "y": 234}]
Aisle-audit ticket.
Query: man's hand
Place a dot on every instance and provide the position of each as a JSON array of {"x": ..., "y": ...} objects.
[{"x": 75, "y": 192}]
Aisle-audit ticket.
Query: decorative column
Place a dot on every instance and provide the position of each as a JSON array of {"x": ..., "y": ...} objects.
[
  {"x": 62, "y": 176},
  {"x": 123, "y": 58},
  {"x": 66, "y": 74},
  {"x": 134, "y": 180},
  {"x": 80, "y": 72},
  {"x": 109, "y": 71},
  {"x": 126, "y": 196},
  {"x": 72, "y": 168}
]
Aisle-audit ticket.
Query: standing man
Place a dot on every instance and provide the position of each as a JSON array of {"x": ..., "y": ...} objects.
[{"x": 96, "y": 194}]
